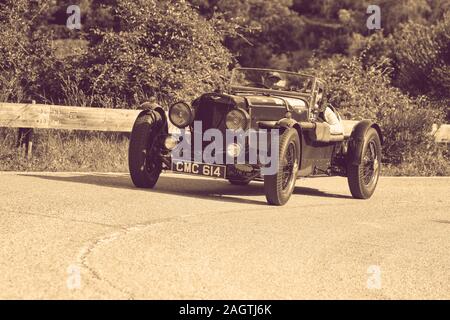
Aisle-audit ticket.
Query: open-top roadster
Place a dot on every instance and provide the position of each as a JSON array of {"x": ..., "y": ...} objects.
[{"x": 266, "y": 127}]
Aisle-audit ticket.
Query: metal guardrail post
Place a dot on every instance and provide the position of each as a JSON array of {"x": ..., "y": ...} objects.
[{"x": 25, "y": 140}]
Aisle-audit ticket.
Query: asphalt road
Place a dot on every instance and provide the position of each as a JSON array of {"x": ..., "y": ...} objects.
[{"x": 70, "y": 235}]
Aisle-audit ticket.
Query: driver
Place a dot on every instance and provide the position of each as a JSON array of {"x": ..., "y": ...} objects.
[
  {"x": 273, "y": 80},
  {"x": 330, "y": 116}
]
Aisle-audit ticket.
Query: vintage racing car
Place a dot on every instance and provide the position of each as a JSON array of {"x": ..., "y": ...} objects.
[{"x": 222, "y": 135}]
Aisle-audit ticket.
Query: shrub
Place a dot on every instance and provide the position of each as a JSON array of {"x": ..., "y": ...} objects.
[
  {"x": 25, "y": 51},
  {"x": 422, "y": 164},
  {"x": 421, "y": 57},
  {"x": 162, "y": 49},
  {"x": 406, "y": 122},
  {"x": 418, "y": 54}
]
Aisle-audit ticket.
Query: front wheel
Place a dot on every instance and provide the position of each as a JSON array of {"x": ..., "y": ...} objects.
[
  {"x": 143, "y": 161},
  {"x": 279, "y": 186},
  {"x": 363, "y": 178}
]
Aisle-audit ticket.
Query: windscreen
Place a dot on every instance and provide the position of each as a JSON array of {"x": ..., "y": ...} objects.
[{"x": 272, "y": 79}]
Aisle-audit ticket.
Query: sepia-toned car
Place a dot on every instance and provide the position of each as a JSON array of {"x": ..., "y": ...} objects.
[{"x": 266, "y": 127}]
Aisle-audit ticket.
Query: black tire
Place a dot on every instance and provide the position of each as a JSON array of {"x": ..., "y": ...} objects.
[
  {"x": 239, "y": 182},
  {"x": 279, "y": 187},
  {"x": 363, "y": 178},
  {"x": 144, "y": 166}
]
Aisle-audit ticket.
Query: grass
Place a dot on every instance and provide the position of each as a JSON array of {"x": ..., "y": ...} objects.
[
  {"x": 422, "y": 167},
  {"x": 60, "y": 150},
  {"x": 84, "y": 151}
]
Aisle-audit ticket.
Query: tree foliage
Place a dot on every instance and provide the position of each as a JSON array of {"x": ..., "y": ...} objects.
[
  {"x": 162, "y": 49},
  {"x": 25, "y": 50},
  {"x": 128, "y": 51},
  {"x": 422, "y": 58},
  {"x": 360, "y": 93}
]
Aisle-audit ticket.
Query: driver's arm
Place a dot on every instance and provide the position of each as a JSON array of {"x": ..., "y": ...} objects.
[{"x": 332, "y": 119}]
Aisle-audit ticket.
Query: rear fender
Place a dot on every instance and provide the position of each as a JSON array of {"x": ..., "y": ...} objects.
[{"x": 356, "y": 140}]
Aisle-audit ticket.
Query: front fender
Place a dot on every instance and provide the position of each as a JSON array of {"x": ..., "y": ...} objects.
[
  {"x": 146, "y": 106},
  {"x": 284, "y": 123},
  {"x": 153, "y": 106},
  {"x": 356, "y": 140}
]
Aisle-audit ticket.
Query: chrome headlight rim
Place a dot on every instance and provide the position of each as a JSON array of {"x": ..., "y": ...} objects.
[
  {"x": 170, "y": 142},
  {"x": 234, "y": 150},
  {"x": 189, "y": 110},
  {"x": 245, "y": 117}
]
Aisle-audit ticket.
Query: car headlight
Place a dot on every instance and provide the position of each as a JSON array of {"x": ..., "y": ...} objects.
[
  {"x": 234, "y": 150},
  {"x": 170, "y": 142},
  {"x": 181, "y": 114},
  {"x": 237, "y": 119}
]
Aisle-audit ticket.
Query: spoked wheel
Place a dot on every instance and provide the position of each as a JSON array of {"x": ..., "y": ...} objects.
[
  {"x": 279, "y": 186},
  {"x": 363, "y": 178},
  {"x": 371, "y": 164},
  {"x": 143, "y": 161},
  {"x": 289, "y": 163}
]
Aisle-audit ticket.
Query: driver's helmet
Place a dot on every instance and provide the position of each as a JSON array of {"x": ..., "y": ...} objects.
[
  {"x": 273, "y": 79},
  {"x": 274, "y": 75}
]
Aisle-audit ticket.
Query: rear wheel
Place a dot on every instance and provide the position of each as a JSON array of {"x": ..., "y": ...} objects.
[
  {"x": 279, "y": 186},
  {"x": 143, "y": 159},
  {"x": 363, "y": 178}
]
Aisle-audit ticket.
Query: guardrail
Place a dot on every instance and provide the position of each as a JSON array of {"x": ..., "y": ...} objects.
[
  {"x": 41, "y": 116},
  {"x": 29, "y": 116},
  {"x": 441, "y": 134}
]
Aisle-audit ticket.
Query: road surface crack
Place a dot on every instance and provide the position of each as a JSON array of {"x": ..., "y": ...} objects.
[{"x": 87, "y": 250}]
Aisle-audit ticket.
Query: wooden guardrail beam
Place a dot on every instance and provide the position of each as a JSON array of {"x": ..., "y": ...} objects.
[
  {"x": 16, "y": 115},
  {"x": 442, "y": 134},
  {"x": 23, "y": 115}
]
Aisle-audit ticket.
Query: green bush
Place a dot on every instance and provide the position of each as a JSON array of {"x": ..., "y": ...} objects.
[
  {"x": 25, "y": 50},
  {"x": 421, "y": 56},
  {"x": 424, "y": 163},
  {"x": 33, "y": 66},
  {"x": 358, "y": 93},
  {"x": 418, "y": 54},
  {"x": 130, "y": 51},
  {"x": 161, "y": 49}
]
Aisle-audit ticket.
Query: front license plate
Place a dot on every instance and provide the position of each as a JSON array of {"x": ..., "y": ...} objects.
[{"x": 203, "y": 169}]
